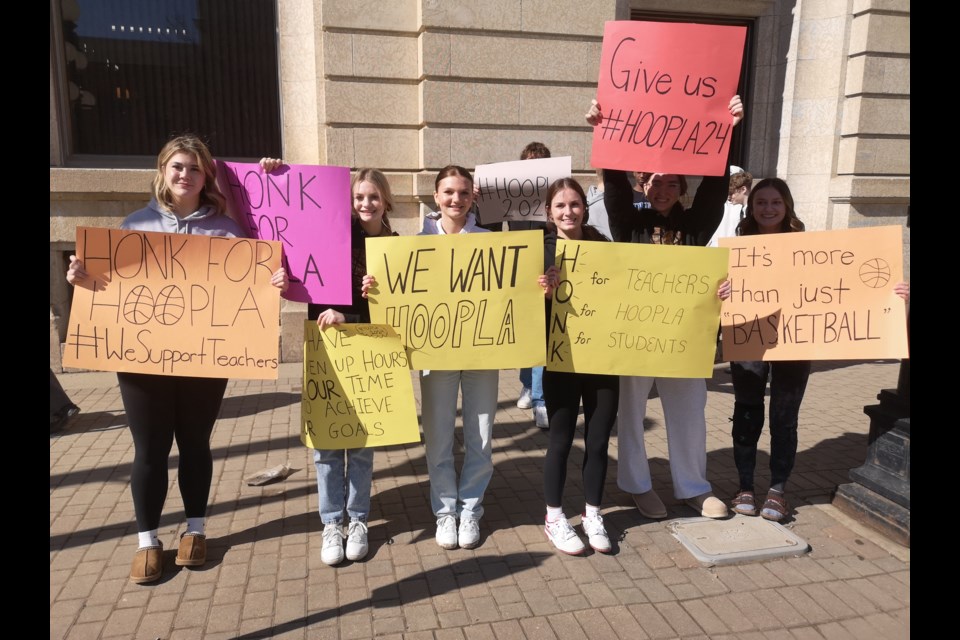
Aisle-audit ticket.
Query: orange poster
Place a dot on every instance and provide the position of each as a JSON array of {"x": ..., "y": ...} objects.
[
  {"x": 817, "y": 295},
  {"x": 664, "y": 92},
  {"x": 176, "y": 304}
]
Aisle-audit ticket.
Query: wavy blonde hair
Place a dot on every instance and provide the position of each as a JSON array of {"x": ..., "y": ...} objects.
[
  {"x": 188, "y": 143},
  {"x": 378, "y": 180}
]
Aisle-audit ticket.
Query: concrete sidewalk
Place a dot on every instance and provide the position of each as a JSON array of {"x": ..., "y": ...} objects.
[{"x": 264, "y": 577}]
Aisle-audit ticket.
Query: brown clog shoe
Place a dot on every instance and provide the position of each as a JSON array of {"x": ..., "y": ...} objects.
[
  {"x": 192, "y": 551},
  {"x": 147, "y": 565}
]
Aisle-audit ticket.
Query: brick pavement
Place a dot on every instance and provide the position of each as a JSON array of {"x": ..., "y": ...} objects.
[{"x": 264, "y": 578}]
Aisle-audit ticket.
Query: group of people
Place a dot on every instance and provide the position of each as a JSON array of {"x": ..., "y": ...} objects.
[{"x": 164, "y": 408}]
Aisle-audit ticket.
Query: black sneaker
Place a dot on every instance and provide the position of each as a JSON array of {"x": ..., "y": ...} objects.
[{"x": 60, "y": 420}]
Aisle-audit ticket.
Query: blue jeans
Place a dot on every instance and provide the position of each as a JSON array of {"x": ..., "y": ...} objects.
[
  {"x": 438, "y": 390},
  {"x": 339, "y": 490},
  {"x": 533, "y": 380}
]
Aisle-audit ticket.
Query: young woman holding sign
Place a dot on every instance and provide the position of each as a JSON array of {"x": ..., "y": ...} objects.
[
  {"x": 566, "y": 218},
  {"x": 161, "y": 408},
  {"x": 344, "y": 476},
  {"x": 684, "y": 400},
  {"x": 769, "y": 210},
  {"x": 450, "y": 498}
]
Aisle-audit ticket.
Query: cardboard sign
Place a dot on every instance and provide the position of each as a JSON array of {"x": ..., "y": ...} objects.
[
  {"x": 464, "y": 301},
  {"x": 635, "y": 309},
  {"x": 664, "y": 92},
  {"x": 176, "y": 304},
  {"x": 817, "y": 295},
  {"x": 356, "y": 388},
  {"x": 517, "y": 190},
  {"x": 307, "y": 208}
]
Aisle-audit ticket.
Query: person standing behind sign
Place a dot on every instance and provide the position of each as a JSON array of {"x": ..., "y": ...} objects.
[
  {"x": 161, "y": 408},
  {"x": 567, "y": 217},
  {"x": 450, "y": 498},
  {"x": 684, "y": 400},
  {"x": 344, "y": 476},
  {"x": 770, "y": 210},
  {"x": 735, "y": 208}
]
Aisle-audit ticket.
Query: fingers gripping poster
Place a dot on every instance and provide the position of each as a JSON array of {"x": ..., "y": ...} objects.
[
  {"x": 176, "y": 304},
  {"x": 357, "y": 390}
]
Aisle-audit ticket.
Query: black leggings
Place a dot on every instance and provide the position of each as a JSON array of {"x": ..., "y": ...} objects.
[
  {"x": 562, "y": 392},
  {"x": 159, "y": 409}
]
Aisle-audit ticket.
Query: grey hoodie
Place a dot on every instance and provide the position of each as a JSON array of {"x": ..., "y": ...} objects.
[{"x": 203, "y": 222}]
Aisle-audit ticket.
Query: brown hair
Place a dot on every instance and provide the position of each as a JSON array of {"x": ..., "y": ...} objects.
[
  {"x": 644, "y": 178},
  {"x": 589, "y": 232},
  {"x": 452, "y": 170},
  {"x": 748, "y": 226},
  {"x": 189, "y": 143},
  {"x": 377, "y": 179},
  {"x": 739, "y": 179},
  {"x": 535, "y": 150}
]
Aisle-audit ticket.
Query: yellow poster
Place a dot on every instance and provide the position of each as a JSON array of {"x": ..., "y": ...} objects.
[
  {"x": 356, "y": 388},
  {"x": 816, "y": 295},
  {"x": 175, "y": 304},
  {"x": 465, "y": 301},
  {"x": 635, "y": 309}
]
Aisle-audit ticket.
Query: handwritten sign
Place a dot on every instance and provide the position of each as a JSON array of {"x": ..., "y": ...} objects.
[
  {"x": 305, "y": 207},
  {"x": 664, "y": 92},
  {"x": 817, "y": 295},
  {"x": 465, "y": 301},
  {"x": 356, "y": 388},
  {"x": 517, "y": 190},
  {"x": 165, "y": 303},
  {"x": 637, "y": 310}
]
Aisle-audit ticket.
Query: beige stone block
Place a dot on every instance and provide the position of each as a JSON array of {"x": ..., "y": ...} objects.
[
  {"x": 483, "y": 146},
  {"x": 813, "y": 117},
  {"x": 100, "y": 181},
  {"x": 809, "y": 154},
  {"x": 337, "y": 54},
  {"x": 434, "y": 54},
  {"x": 292, "y": 316},
  {"x": 546, "y": 106},
  {"x": 822, "y": 9},
  {"x": 339, "y": 145},
  {"x": 818, "y": 78},
  {"x": 435, "y": 150},
  {"x": 300, "y": 102},
  {"x": 520, "y": 59},
  {"x": 872, "y": 74},
  {"x": 872, "y": 116},
  {"x": 386, "y": 149},
  {"x": 582, "y": 17},
  {"x": 375, "y": 15},
  {"x": 878, "y": 156},
  {"x": 297, "y": 63},
  {"x": 860, "y": 6},
  {"x": 370, "y": 56},
  {"x": 296, "y": 18},
  {"x": 302, "y": 145},
  {"x": 820, "y": 39},
  {"x": 469, "y": 103},
  {"x": 879, "y": 33},
  {"x": 496, "y": 15},
  {"x": 364, "y": 103}
]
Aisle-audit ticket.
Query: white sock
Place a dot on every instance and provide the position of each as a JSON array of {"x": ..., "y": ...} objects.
[
  {"x": 554, "y": 513},
  {"x": 195, "y": 525},
  {"x": 591, "y": 511},
  {"x": 148, "y": 538}
]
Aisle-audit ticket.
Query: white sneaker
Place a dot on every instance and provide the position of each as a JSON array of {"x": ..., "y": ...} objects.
[
  {"x": 596, "y": 533},
  {"x": 540, "y": 416},
  {"x": 526, "y": 398},
  {"x": 447, "y": 532},
  {"x": 563, "y": 537},
  {"x": 332, "y": 551},
  {"x": 357, "y": 540},
  {"x": 468, "y": 536}
]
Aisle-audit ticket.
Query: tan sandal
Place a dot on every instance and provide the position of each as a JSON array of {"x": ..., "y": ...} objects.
[{"x": 744, "y": 503}]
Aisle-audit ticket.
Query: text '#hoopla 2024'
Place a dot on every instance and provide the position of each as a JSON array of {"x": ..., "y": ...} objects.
[{"x": 187, "y": 305}]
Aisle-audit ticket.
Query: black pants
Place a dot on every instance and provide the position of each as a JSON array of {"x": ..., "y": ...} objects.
[
  {"x": 788, "y": 381},
  {"x": 562, "y": 393},
  {"x": 160, "y": 409}
]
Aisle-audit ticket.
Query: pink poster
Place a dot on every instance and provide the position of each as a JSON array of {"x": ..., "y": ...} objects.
[
  {"x": 664, "y": 91},
  {"x": 307, "y": 209}
]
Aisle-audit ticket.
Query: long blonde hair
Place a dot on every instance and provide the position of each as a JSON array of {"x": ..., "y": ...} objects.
[
  {"x": 189, "y": 143},
  {"x": 377, "y": 179}
]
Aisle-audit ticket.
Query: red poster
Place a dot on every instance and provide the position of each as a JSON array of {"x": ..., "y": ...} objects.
[{"x": 664, "y": 91}]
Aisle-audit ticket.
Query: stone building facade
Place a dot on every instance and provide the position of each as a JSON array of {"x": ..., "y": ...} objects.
[{"x": 409, "y": 86}]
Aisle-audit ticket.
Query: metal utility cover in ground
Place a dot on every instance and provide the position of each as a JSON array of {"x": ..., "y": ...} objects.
[{"x": 737, "y": 539}]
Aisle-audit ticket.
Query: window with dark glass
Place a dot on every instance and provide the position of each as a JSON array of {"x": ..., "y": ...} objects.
[{"x": 135, "y": 72}]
